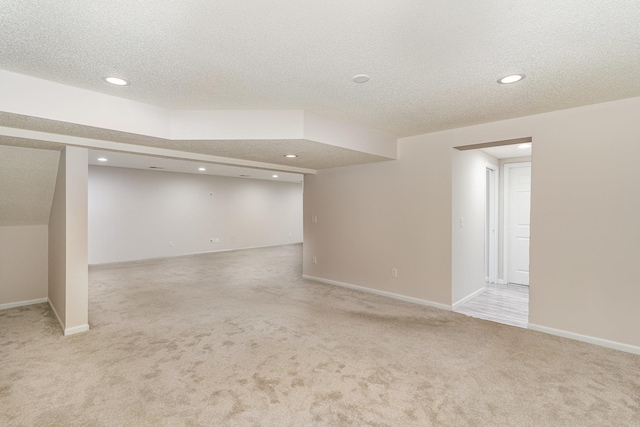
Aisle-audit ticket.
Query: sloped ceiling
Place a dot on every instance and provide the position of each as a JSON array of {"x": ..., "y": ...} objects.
[{"x": 27, "y": 183}]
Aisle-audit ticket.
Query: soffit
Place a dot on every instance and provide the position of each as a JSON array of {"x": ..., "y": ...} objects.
[
  {"x": 433, "y": 65},
  {"x": 311, "y": 154}
]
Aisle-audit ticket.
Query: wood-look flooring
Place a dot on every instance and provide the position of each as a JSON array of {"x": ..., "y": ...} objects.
[{"x": 508, "y": 304}]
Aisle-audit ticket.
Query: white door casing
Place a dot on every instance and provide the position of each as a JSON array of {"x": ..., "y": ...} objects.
[
  {"x": 491, "y": 223},
  {"x": 517, "y": 222}
]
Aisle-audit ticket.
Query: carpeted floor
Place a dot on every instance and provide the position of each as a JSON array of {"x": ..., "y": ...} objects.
[{"x": 239, "y": 339}]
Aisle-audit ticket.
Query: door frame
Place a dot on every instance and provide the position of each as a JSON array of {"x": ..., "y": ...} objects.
[
  {"x": 506, "y": 168},
  {"x": 491, "y": 210}
]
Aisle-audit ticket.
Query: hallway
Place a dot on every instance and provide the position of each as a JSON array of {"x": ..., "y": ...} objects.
[{"x": 506, "y": 304}]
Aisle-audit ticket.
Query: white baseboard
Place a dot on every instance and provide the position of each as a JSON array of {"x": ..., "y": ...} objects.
[
  {"x": 56, "y": 314},
  {"x": 22, "y": 303},
  {"x": 381, "y": 293},
  {"x": 502, "y": 282},
  {"x": 76, "y": 330},
  {"x": 126, "y": 261},
  {"x": 468, "y": 297},
  {"x": 585, "y": 338},
  {"x": 67, "y": 331}
]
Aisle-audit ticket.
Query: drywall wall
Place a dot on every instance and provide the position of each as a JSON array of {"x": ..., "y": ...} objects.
[
  {"x": 68, "y": 270},
  {"x": 372, "y": 218},
  {"x": 468, "y": 222},
  {"x": 584, "y": 237},
  {"x": 23, "y": 264},
  {"x": 137, "y": 214}
]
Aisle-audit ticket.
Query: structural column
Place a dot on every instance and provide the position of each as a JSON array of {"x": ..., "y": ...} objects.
[{"x": 68, "y": 268}]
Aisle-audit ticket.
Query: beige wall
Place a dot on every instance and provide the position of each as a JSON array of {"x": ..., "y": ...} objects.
[
  {"x": 23, "y": 264},
  {"x": 585, "y": 240},
  {"x": 138, "y": 214},
  {"x": 68, "y": 272},
  {"x": 374, "y": 217},
  {"x": 57, "y": 247}
]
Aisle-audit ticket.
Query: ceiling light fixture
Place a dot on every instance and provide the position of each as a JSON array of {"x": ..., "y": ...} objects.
[
  {"x": 274, "y": 176},
  {"x": 524, "y": 146},
  {"x": 116, "y": 81},
  {"x": 360, "y": 78},
  {"x": 202, "y": 169},
  {"x": 290, "y": 156},
  {"x": 102, "y": 159},
  {"x": 512, "y": 78}
]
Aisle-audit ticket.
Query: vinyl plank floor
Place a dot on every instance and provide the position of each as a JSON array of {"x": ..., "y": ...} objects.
[{"x": 508, "y": 304}]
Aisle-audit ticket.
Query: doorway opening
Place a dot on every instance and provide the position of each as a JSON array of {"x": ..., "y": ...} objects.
[{"x": 501, "y": 294}]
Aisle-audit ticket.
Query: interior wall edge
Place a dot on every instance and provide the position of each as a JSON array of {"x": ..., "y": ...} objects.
[{"x": 55, "y": 313}]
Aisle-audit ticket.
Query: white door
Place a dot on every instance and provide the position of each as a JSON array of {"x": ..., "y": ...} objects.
[{"x": 518, "y": 178}]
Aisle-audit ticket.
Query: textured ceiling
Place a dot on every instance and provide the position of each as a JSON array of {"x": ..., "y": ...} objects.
[
  {"x": 27, "y": 184},
  {"x": 433, "y": 64}
]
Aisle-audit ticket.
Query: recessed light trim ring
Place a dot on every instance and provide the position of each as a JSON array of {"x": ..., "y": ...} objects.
[
  {"x": 116, "y": 81},
  {"x": 511, "y": 78}
]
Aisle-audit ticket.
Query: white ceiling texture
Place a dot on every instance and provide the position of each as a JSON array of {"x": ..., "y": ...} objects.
[{"x": 433, "y": 65}]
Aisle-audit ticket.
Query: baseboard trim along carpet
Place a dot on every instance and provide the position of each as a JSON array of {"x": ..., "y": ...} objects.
[
  {"x": 381, "y": 293},
  {"x": 468, "y": 297},
  {"x": 585, "y": 338},
  {"x": 22, "y": 303},
  {"x": 76, "y": 330},
  {"x": 67, "y": 331},
  {"x": 133, "y": 261}
]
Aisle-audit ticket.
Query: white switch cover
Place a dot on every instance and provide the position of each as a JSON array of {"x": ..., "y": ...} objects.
[
  {"x": 394, "y": 272},
  {"x": 461, "y": 222}
]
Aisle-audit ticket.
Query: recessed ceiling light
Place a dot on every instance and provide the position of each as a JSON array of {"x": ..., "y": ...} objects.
[
  {"x": 116, "y": 81},
  {"x": 102, "y": 159},
  {"x": 360, "y": 78},
  {"x": 202, "y": 169},
  {"x": 290, "y": 156},
  {"x": 274, "y": 176},
  {"x": 524, "y": 146},
  {"x": 512, "y": 78}
]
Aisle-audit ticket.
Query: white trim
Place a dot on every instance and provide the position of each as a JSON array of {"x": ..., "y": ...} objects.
[
  {"x": 76, "y": 330},
  {"x": 506, "y": 168},
  {"x": 585, "y": 338},
  {"x": 55, "y": 313},
  {"x": 22, "y": 303},
  {"x": 67, "y": 331},
  {"x": 468, "y": 297},
  {"x": 381, "y": 293},
  {"x": 502, "y": 282},
  {"x": 491, "y": 240}
]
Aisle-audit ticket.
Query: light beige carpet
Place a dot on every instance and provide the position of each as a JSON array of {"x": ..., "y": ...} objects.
[{"x": 239, "y": 339}]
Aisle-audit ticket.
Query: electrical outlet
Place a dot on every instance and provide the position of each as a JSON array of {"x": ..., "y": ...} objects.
[
  {"x": 315, "y": 260},
  {"x": 461, "y": 222},
  {"x": 394, "y": 272},
  {"x": 215, "y": 240},
  {"x": 170, "y": 244}
]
